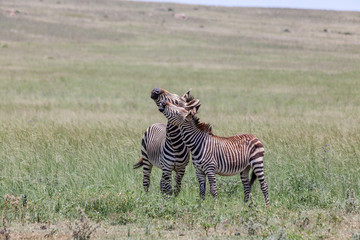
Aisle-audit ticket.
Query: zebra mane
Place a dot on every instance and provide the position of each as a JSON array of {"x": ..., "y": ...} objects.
[{"x": 205, "y": 127}]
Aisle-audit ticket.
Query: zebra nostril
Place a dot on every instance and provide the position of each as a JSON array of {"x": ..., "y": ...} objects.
[
  {"x": 155, "y": 93},
  {"x": 162, "y": 105}
]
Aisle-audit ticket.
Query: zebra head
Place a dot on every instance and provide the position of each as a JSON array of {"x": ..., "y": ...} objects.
[
  {"x": 158, "y": 95},
  {"x": 178, "y": 115}
]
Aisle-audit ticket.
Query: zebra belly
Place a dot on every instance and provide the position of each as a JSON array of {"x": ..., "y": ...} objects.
[
  {"x": 155, "y": 162},
  {"x": 230, "y": 167},
  {"x": 229, "y": 174}
]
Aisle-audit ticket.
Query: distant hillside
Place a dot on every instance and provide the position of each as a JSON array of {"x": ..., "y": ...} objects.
[{"x": 199, "y": 36}]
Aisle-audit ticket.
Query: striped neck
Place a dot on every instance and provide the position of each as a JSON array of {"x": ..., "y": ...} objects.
[{"x": 193, "y": 137}]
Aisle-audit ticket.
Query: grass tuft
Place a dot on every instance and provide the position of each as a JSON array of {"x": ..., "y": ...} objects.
[{"x": 82, "y": 229}]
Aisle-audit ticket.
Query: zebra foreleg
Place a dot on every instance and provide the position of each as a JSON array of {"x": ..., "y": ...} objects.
[
  {"x": 165, "y": 183},
  {"x": 202, "y": 183},
  {"x": 178, "y": 178},
  {"x": 147, "y": 167},
  {"x": 244, "y": 175},
  {"x": 212, "y": 182}
]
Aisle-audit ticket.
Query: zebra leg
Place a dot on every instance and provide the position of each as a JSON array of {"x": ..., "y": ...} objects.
[
  {"x": 244, "y": 175},
  {"x": 258, "y": 168},
  {"x": 147, "y": 167},
  {"x": 178, "y": 178},
  {"x": 165, "y": 183},
  {"x": 212, "y": 183},
  {"x": 202, "y": 183}
]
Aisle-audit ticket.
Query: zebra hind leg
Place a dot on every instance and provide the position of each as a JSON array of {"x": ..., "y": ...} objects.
[
  {"x": 147, "y": 167},
  {"x": 178, "y": 178},
  {"x": 165, "y": 182},
  {"x": 253, "y": 178},
  {"x": 244, "y": 175},
  {"x": 258, "y": 168}
]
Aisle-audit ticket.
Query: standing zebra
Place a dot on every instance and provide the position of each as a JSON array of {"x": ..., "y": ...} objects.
[
  {"x": 162, "y": 147},
  {"x": 212, "y": 154}
]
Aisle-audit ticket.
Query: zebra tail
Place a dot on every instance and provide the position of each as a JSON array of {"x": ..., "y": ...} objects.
[
  {"x": 139, "y": 163},
  {"x": 253, "y": 178}
]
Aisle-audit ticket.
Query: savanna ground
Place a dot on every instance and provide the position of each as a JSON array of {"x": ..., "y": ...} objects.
[{"x": 75, "y": 81}]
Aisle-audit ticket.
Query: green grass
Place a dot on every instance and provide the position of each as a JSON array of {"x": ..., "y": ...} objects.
[{"x": 75, "y": 82}]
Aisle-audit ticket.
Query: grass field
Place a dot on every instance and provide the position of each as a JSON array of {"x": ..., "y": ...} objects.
[{"x": 75, "y": 82}]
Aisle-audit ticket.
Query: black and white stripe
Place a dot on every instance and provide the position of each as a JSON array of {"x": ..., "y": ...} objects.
[
  {"x": 212, "y": 154},
  {"x": 162, "y": 147}
]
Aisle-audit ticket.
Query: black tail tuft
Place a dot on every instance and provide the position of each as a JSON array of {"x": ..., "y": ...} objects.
[
  {"x": 139, "y": 163},
  {"x": 253, "y": 178}
]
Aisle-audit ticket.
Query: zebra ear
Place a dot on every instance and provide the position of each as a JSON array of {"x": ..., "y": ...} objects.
[
  {"x": 193, "y": 106},
  {"x": 186, "y": 95}
]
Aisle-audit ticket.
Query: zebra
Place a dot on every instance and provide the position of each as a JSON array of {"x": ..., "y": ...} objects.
[
  {"x": 162, "y": 147},
  {"x": 212, "y": 154}
]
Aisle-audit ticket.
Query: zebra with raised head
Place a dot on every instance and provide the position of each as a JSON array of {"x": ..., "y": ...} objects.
[
  {"x": 162, "y": 147},
  {"x": 212, "y": 154}
]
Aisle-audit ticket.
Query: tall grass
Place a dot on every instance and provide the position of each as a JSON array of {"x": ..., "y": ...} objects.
[{"x": 74, "y": 103}]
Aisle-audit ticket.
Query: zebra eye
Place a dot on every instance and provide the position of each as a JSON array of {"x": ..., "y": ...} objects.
[{"x": 176, "y": 102}]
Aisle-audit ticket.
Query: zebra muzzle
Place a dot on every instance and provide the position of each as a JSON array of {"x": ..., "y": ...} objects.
[{"x": 155, "y": 93}]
